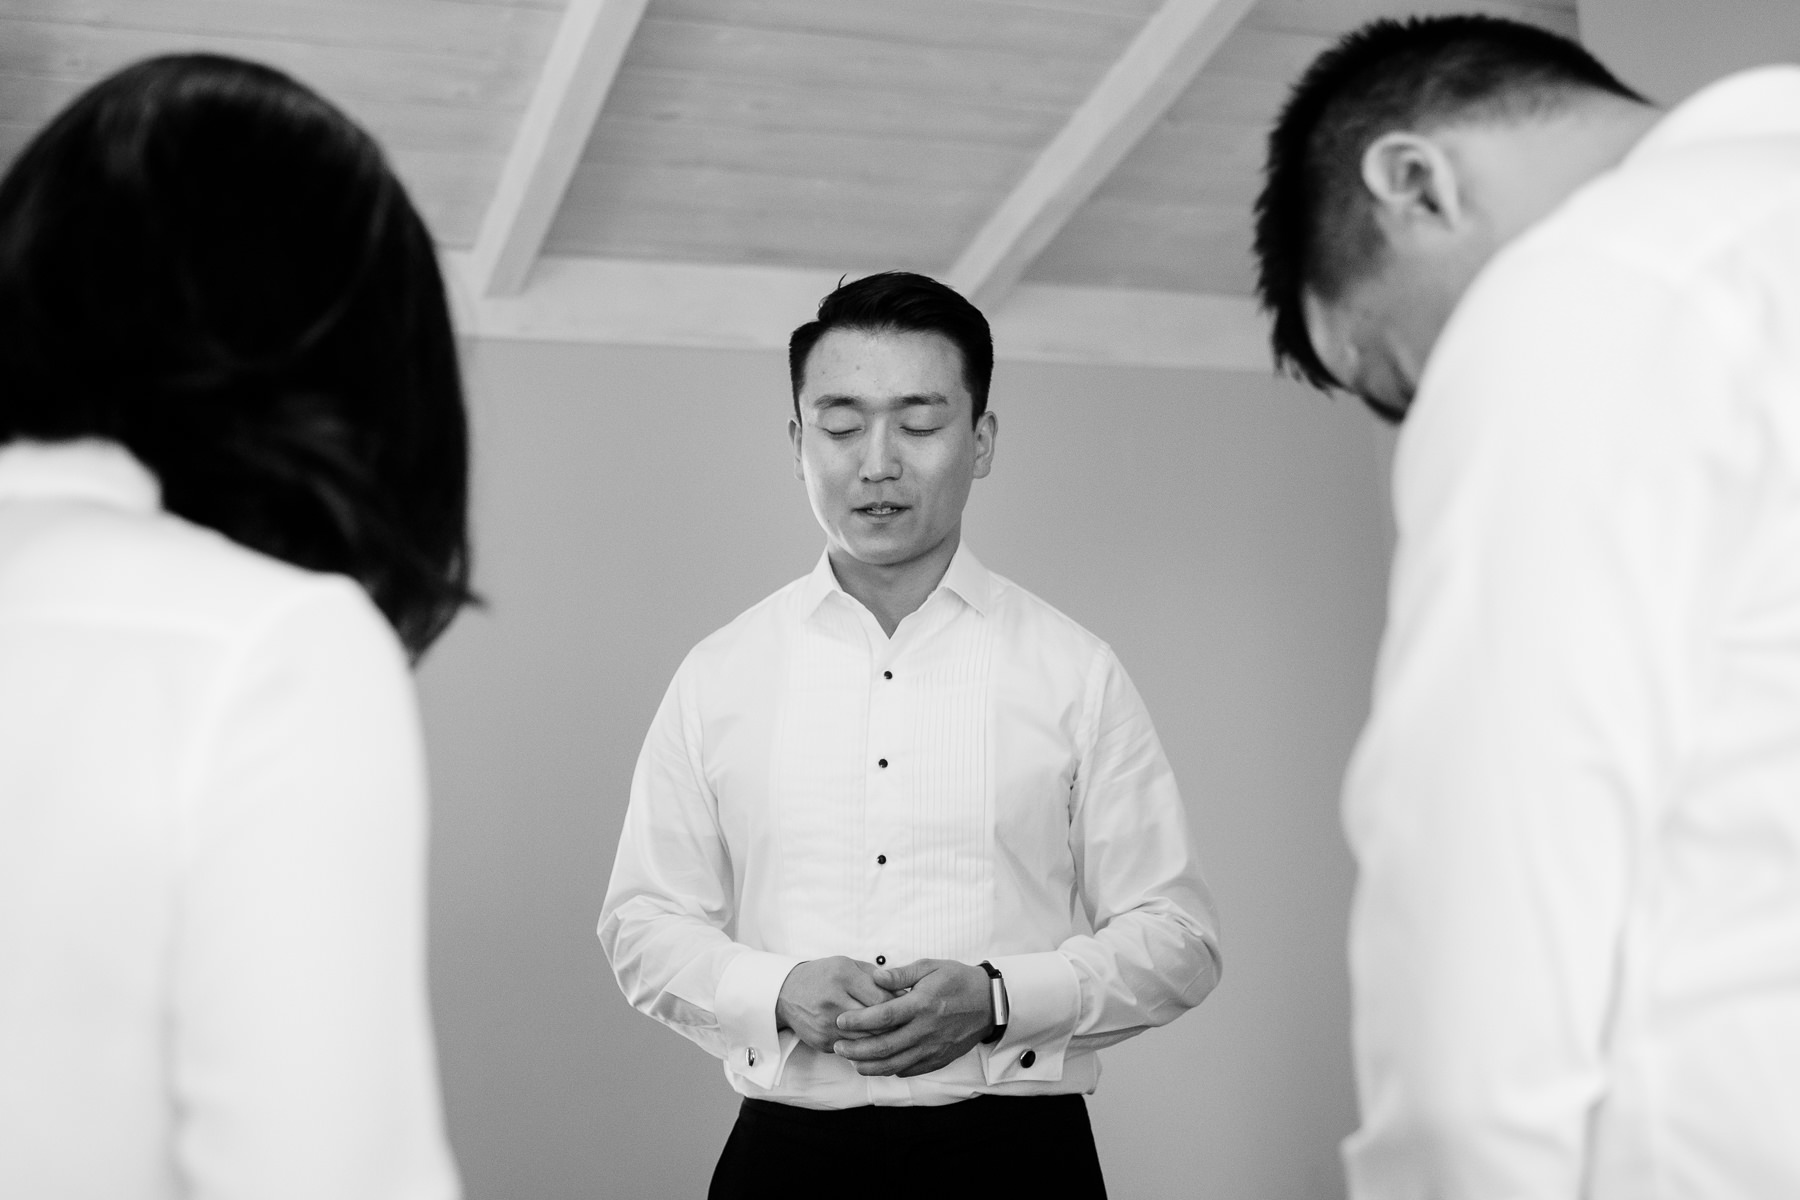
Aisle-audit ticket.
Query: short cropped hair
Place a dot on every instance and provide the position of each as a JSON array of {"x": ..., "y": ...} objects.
[
  {"x": 901, "y": 302},
  {"x": 1315, "y": 224},
  {"x": 206, "y": 262}
]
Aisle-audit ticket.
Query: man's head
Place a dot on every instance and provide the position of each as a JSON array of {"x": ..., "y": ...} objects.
[
  {"x": 901, "y": 302},
  {"x": 890, "y": 424},
  {"x": 1405, "y": 157}
]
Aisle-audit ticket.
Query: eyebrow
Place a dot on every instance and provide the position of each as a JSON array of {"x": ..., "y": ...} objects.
[{"x": 912, "y": 400}]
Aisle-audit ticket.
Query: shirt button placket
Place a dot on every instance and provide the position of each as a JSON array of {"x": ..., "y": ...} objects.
[{"x": 883, "y": 721}]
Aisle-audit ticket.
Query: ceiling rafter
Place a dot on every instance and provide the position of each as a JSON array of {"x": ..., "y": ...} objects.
[
  {"x": 583, "y": 62},
  {"x": 1134, "y": 93},
  {"x": 719, "y": 306}
]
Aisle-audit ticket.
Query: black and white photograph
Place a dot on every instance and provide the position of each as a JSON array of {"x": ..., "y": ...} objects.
[{"x": 860, "y": 599}]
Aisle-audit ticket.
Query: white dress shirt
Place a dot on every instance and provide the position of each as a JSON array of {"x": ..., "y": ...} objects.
[
  {"x": 212, "y": 851},
  {"x": 984, "y": 785},
  {"x": 1576, "y": 808}
]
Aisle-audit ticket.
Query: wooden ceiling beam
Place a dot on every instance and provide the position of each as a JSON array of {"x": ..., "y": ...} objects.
[
  {"x": 583, "y": 62},
  {"x": 716, "y": 306},
  {"x": 1134, "y": 93}
]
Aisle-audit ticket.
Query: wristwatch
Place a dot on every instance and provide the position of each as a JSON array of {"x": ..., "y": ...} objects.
[{"x": 997, "y": 988}]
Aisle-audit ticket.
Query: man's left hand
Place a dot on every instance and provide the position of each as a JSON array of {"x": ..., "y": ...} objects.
[{"x": 948, "y": 1009}]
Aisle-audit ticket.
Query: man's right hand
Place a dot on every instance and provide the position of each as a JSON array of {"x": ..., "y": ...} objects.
[{"x": 816, "y": 991}]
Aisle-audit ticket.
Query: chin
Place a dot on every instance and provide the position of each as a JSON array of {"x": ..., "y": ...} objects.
[
  {"x": 878, "y": 557},
  {"x": 876, "y": 553}
]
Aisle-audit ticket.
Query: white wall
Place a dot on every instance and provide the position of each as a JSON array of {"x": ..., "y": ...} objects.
[
  {"x": 1224, "y": 532},
  {"x": 1668, "y": 48}
]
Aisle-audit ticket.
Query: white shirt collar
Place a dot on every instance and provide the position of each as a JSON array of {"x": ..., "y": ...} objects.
[
  {"x": 1761, "y": 102},
  {"x": 97, "y": 471},
  {"x": 966, "y": 577}
]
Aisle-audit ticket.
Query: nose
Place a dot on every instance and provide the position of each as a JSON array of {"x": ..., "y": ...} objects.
[{"x": 880, "y": 461}]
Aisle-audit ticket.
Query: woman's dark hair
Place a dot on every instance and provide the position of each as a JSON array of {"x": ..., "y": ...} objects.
[
  {"x": 901, "y": 302},
  {"x": 206, "y": 262}
]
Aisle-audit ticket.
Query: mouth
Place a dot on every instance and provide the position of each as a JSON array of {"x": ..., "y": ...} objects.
[{"x": 881, "y": 509}]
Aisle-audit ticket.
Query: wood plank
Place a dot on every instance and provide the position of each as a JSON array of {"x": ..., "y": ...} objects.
[
  {"x": 901, "y": 164},
  {"x": 1341, "y": 16},
  {"x": 1267, "y": 54},
  {"x": 1138, "y": 10},
  {"x": 852, "y": 64},
  {"x": 1174, "y": 247},
  {"x": 464, "y": 30},
  {"x": 1153, "y": 71},
  {"x": 340, "y": 72},
  {"x": 584, "y": 58},
  {"x": 1190, "y": 161},
  {"x": 1010, "y": 28},
  {"x": 702, "y": 214},
  {"x": 1228, "y": 99},
  {"x": 680, "y": 98},
  {"x": 711, "y": 306}
]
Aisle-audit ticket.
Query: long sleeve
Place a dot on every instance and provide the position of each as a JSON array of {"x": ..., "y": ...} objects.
[
  {"x": 1557, "y": 503},
  {"x": 1153, "y": 953},
  {"x": 670, "y": 901},
  {"x": 983, "y": 783},
  {"x": 302, "y": 1059}
]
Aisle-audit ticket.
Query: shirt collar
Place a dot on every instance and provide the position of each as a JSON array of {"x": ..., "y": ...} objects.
[
  {"x": 966, "y": 577},
  {"x": 96, "y": 471},
  {"x": 969, "y": 579},
  {"x": 1761, "y": 102}
]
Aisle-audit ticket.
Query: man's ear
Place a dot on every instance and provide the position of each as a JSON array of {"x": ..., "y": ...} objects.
[
  {"x": 1414, "y": 184},
  {"x": 794, "y": 437},
  {"x": 987, "y": 429}
]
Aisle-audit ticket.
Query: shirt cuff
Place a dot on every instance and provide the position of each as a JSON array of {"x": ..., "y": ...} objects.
[
  {"x": 1043, "y": 995},
  {"x": 744, "y": 1002}
]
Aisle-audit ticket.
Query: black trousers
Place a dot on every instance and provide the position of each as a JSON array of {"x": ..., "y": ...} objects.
[{"x": 990, "y": 1147}]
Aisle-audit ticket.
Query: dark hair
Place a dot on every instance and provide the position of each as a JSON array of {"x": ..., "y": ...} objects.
[
  {"x": 1314, "y": 222},
  {"x": 900, "y": 301},
  {"x": 206, "y": 262}
]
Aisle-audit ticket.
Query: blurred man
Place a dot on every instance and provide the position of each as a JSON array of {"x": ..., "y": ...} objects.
[
  {"x": 1575, "y": 946},
  {"x": 903, "y": 848}
]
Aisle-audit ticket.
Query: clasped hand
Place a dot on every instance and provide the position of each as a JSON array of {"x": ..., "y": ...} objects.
[
  {"x": 818, "y": 991},
  {"x": 907, "y": 1020}
]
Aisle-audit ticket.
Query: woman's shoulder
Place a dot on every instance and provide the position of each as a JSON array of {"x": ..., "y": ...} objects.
[{"x": 153, "y": 570}]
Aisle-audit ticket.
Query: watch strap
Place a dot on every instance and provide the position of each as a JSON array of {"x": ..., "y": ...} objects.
[{"x": 997, "y": 991}]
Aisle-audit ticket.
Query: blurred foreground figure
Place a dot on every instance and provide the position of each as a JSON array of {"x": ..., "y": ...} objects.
[
  {"x": 231, "y": 443},
  {"x": 1575, "y": 946}
]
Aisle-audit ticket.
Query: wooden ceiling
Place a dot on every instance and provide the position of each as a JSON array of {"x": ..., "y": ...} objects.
[{"x": 1066, "y": 156}]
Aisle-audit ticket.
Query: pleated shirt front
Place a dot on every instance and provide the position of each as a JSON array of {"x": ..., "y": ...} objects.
[{"x": 986, "y": 783}]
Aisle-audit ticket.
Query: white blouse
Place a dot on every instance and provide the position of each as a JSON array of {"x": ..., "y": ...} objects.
[
  {"x": 212, "y": 850},
  {"x": 1576, "y": 809},
  {"x": 984, "y": 784}
]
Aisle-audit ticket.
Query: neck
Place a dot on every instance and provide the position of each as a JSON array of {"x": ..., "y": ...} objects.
[
  {"x": 1520, "y": 174},
  {"x": 894, "y": 592},
  {"x": 1514, "y": 175}
]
